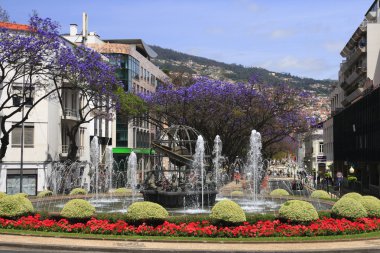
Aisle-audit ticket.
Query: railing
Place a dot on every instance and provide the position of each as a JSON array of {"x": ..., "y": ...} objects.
[
  {"x": 68, "y": 112},
  {"x": 65, "y": 150}
]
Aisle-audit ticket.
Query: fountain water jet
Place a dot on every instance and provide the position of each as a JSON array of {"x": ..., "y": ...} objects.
[
  {"x": 199, "y": 162},
  {"x": 254, "y": 165},
  {"x": 132, "y": 173},
  {"x": 94, "y": 153},
  {"x": 109, "y": 166},
  {"x": 217, "y": 152}
]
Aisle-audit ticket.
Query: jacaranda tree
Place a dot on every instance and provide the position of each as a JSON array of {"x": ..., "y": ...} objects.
[{"x": 231, "y": 110}]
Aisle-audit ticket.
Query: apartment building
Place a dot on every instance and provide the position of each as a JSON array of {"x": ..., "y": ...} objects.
[
  {"x": 45, "y": 143},
  {"x": 132, "y": 58},
  {"x": 315, "y": 159},
  {"x": 355, "y": 129}
]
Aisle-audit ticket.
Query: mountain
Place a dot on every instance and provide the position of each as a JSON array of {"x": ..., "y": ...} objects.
[{"x": 174, "y": 61}]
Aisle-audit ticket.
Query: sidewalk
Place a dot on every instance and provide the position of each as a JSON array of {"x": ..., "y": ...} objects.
[{"x": 53, "y": 244}]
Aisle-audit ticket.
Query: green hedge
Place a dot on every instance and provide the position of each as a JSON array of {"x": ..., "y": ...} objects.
[
  {"x": 21, "y": 194},
  {"x": 45, "y": 193},
  {"x": 348, "y": 207},
  {"x": 237, "y": 194},
  {"x": 353, "y": 195},
  {"x": 15, "y": 206},
  {"x": 228, "y": 211},
  {"x": 371, "y": 205},
  {"x": 298, "y": 211},
  {"x": 279, "y": 192},
  {"x": 141, "y": 211},
  {"x": 122, "y": 191},
  {"x": 78, "y": 191},
  {"x": 2, "y": 194},
  {"x": 78, "y": 209},
  {"x": 320, "y": 194}
]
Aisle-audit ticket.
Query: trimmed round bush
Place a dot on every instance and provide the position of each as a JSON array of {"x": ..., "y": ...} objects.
[
  {"x": 228, "y": 211},
  {"x": 320, "y": 194},
  {"x": 298, "y": 211},
  {"x": 122, "y": 191},
  {"x": 2, "y": 194},
  {"x": 146, "y": 210},
  {"x": 78, "y": 209},
  {"x": 353, "y": 195},
  {"x": 237, "y": 193},
  {"x": 14, "y": 206},
  {"x": 279, "y": 192},
  {"x": 45, "y": 193},
  {"x": 348, "y": 208},
  {"x": 371, "y": 205},
  {"x": 78, "y": 191},
  {"x": 21, "y": 194}
]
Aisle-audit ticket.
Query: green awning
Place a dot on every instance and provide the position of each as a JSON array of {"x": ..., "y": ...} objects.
[{"x": 145, "y": 151}]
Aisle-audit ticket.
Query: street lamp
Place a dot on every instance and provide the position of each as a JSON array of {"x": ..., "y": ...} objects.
[{"x": 351, "y": 170}]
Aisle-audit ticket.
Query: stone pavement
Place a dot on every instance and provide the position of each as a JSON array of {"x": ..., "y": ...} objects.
[{"x": 33, "y": 243}]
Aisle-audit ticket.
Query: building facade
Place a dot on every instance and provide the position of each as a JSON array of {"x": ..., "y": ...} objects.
[
  {"x": 132, "y": 59},
  {"x": 315, "y": 159},
  {"x": 356, "y": 133}
]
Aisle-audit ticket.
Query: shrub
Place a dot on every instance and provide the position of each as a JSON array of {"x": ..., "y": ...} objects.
[
  {"x": 320, "y": 194},
  {"x": 146, "y": 210},
  {"x": 21, "y": 194},
  {"x": 123, "y": 191},
  {"x": 353, "y": 195},
  {"x": 348, "y": 207},
  {"x": 14, "y": 206},
  {"x": 78, "y": 209},
  {"x": 78, "y": 191},
  {"x": 228, "y": 211},
  {"x": 298, "y": 211},
  {"x": 237, "y": 193},
  {"x": 279, "y": 192},
  {"x": 2, "y": 194},
  {"x": 352, "y": 179},
  {"x": 371, "y": 205},
  {"x": 45, "y": 193}
]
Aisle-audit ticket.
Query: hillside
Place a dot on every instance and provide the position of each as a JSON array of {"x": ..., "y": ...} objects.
[{"x": 179, "y": 62}]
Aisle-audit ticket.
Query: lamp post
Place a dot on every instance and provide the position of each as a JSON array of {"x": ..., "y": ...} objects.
[{"x": 351, "y": 170}]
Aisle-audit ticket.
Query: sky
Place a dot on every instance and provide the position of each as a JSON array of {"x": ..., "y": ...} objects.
[{"x": 301, "y": 37}]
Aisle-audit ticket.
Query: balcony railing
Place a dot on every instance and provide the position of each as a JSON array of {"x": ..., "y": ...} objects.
[
  {"x": 65, "y": 151},
  {"x": 71, "y": 112},
  {"x": 352, "y": 58}
]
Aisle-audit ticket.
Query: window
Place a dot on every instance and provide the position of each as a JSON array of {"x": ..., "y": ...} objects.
[
  {"x": 28, "y": 136},
  {"x": 321, "y": 147}
]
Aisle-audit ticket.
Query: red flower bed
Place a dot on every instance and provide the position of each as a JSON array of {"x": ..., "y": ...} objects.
[{"x": 326, "y": 226}]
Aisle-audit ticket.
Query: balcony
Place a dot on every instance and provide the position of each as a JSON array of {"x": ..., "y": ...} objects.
[
  {"x": 354, "y": 56},
  {"x": 353, "y": 96},
  {"x": 65, "y": 150},
  {"x": 70, "y": 114}
]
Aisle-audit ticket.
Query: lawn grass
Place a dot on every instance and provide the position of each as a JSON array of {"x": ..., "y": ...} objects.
[{"x": 371, "y": 235}]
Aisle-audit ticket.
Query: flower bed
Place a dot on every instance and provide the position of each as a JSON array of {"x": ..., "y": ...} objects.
[{"x": 322, "y": 227}]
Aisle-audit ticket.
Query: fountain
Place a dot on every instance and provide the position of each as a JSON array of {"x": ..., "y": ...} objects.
[
  {"x": 254, "y": 164},
  {"x": 217, "y": 152},
  {"x": 109, "y": 167},
  {"x": 184, "y": 158},
  {"x": 132, "y": 173},
  {"x": 94, "y": 149}
]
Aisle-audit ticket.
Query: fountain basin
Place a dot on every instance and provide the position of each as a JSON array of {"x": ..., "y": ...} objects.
[{"x": 179, "y": 199}]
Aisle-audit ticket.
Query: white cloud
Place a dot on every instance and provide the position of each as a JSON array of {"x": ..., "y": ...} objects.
[
  {"x": 281, "y": 33},
  {"x": 299, "y": 66}
]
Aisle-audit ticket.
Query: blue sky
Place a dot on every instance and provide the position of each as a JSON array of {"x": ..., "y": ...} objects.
[{"x": 301, "y": 37}]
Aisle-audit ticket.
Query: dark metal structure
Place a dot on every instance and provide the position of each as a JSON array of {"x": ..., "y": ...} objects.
[{"x": 178, "y": 185}]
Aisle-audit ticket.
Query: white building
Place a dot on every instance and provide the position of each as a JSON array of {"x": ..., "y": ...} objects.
[
  {"x": 45, "y": 141},
  {"x": 358, "y": 73},
  {"x": 139, "y": 75},
  {"x": 315, "y": 159}
]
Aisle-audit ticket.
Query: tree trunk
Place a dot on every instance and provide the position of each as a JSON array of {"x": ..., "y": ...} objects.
[
  {"x": 73, "y": 148},
  {"x": 4, "y": 145}
]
